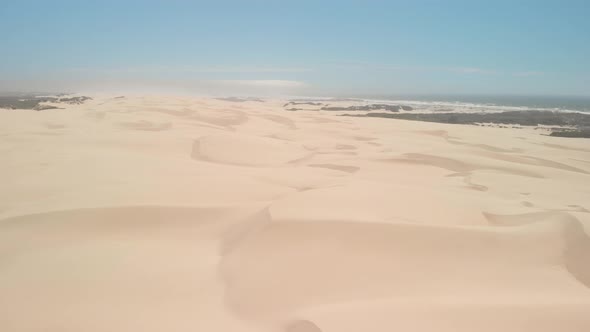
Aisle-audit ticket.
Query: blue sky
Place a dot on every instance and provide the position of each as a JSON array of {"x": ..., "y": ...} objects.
[{"x": 324, "y": 47}]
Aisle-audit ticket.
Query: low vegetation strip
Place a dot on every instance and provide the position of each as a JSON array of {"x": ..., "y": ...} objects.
[
  {"x": 37, "y": 103},
  {"x": 578, "y": 124}
]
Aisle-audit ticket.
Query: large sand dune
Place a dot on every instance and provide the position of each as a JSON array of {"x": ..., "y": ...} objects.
[{"x": 193, "y": 214}]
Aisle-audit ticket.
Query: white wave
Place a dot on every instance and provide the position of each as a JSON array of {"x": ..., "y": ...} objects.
[{"x": 460, "y": 107}]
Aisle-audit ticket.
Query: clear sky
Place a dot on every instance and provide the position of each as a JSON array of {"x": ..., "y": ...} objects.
[{"x": 330, "y": 47}]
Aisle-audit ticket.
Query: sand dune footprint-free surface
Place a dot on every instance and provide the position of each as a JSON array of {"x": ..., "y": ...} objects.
[
  {"x": 330, "y": 262},
  {"x": 245, "y": 150}
]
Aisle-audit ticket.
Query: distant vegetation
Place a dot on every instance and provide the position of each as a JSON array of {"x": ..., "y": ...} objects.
[
  {"x": 302, "y": 103},
  {"x": 36, "y": 103},
  {"x": 582, "y": 133},
  {"x": 524, "y": 118},
  {"x": 579, "y": 121},
  {"x": 240, "y": 100},
  {"x": 371, "y": 107},
  {"x": 20, "y": 102},
  {"x": 74, "y": 100},
  {"x": 327, "y": 107},
  {"x": 41, "y": 107}
]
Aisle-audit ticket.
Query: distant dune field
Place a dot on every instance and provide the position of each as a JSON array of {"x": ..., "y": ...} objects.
[{"x": 160, "y": 213}]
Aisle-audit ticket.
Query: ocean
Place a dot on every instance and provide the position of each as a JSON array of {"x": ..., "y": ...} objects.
[{"x": 474, "y": 103}]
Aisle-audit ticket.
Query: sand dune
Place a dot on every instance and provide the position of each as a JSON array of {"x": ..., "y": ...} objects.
[
  {"x": 192, "y": 214},
  {"x": 349, "y": 261},
  {"x": 246, "y": 150}
]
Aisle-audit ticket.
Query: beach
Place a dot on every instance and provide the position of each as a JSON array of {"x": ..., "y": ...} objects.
[{"x": 168, "y": 213}]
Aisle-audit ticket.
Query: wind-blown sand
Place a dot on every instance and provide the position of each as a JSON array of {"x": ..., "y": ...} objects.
[{"x": 185, "y": 214}]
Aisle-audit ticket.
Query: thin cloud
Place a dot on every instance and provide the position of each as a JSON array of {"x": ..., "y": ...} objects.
[
  {"x": 528, "y": 73},
  {"x": 253, "y": 69},
  {"x": 370, "y": 66},
  {"x": 265, "y": 83},
  {"x": 190, "y": 69},
  {"x": 470, "y": 70}
]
